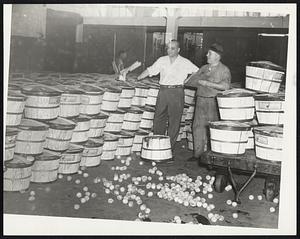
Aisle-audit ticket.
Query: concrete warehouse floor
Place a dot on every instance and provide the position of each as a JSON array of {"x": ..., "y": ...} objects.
[{"x": 58, "y": 198}]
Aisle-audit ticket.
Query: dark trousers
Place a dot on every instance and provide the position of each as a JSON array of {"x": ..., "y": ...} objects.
[
  {"x": 168, "y": 112},
  {"x": 206, "y": 110}
]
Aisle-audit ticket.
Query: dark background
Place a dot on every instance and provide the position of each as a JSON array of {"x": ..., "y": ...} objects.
[{"x": 59, "y": 52}]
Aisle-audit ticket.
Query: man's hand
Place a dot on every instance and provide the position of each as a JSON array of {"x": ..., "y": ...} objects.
[{"x": 202, "y": 82}]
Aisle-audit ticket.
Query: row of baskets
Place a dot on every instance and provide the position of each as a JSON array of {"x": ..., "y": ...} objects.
[{"x": 45, "y": 167}]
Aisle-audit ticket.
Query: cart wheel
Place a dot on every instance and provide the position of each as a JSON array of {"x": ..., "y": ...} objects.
[
  {"x": 220, "y": 183},
  {"x": 270, "y": 189}
]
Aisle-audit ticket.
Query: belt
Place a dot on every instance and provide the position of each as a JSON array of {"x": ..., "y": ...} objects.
[{"x": 171, "y": 86}]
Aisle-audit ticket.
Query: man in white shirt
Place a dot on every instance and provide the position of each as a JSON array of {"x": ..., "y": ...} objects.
[{"x": 173, "y": 70}]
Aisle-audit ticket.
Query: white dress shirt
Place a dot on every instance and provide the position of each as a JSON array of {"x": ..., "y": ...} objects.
[{"x": 172, "y": 73}]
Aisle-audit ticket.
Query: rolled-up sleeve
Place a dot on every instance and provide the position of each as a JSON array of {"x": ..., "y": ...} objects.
[
  {"x": 155, "y": 68},
  {"x": 227, "y": 77}
]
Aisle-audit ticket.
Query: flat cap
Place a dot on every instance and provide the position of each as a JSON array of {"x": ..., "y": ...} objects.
[{"x": 217, "y": 48}]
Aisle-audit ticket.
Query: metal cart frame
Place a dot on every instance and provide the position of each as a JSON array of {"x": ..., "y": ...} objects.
[{"x": 226, "y": 165}]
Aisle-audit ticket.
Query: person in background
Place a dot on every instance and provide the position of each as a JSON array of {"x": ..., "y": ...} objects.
[
  {"x": 173, "y": 70},
  {"x": 118, "y": 64},
  {"x": 211, "y": 79}
]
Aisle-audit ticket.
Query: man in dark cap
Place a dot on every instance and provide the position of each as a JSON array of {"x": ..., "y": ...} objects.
[{"x": 211, "y": 79}]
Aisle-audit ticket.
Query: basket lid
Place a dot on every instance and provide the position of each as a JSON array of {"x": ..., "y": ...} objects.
[
  {"x": 124, "y": 134},
  {"x": 236, "y": 92},
  {"x": 118, "y": 111},
  {"x": 91, "y": 144},
  {"x": 69, "y": 89},
  {"x": 125, "y": 86},
  {"x": 273, "y": 131},
  {"x": 229, "y": 125},
  {"x": 89, "y": 89},
  {"x": 153, "y": 86},
  {"x": 99, "y": 116},
  {"x": 39, "y": 90},
  {"x": 149, "y": 108},
  {"x": 141, "y": 85},
  {"x": 22, "y": 80},
  {"x": 112, "y": 89},
  {"x": 252, "y": 123},
  {"x": 142, "y": 132},
  {"x": 18, "y": 161},
  {"x": 15, "y": 96},
  {"x": 110, "y": 137},
  {"x": 74, "y": 149},
  {"x": 134, "y": 110},
  {"x": 48, "y": 155},
  {"x": 157, "y": 136},
  {"x": 61, "y": 123},
  {"x": 29, "y": 124},
  {"x": 11, "y": 131},
  {"x": 14, "y": 87},
  {"x": 270, "y": 97},
  {"x": 266, "y": 65},
  {"x": 80, "y": 118}
]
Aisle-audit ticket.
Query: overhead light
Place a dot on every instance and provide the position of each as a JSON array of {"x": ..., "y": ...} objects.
[{"x": 272, "y": 35}]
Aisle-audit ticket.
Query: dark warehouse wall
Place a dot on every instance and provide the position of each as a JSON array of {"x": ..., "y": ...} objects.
[
  {"x": 242, "y": 46},
  {"x": 58, "y": 51}
]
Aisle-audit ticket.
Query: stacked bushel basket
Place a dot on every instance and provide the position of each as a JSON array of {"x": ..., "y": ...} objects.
[
  {"x": 252, "y": 118},
  {"x": 58, "y": 122}
]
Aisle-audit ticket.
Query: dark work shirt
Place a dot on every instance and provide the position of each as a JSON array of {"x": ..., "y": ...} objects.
[{"x": 216, "y": 74}]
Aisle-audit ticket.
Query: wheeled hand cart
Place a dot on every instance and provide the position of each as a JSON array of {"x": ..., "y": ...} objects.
[{"x": 226, "y": 165}]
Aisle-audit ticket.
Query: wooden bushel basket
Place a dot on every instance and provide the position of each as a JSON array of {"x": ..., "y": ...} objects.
[
  {"x": 91, "y": 99},
  {"x": 45, "y": 167},
  {"x": 81, "y": 131},
  {"x": 59, "y": 134},
  {"x": 236, "y": 104},
  {"x": 138, "y": 140},
  {"x": 190, "y": 112},
  {"x": 115, "y": 121},
  {"x": 125, "y": 143},
  {"x": 110, "y": 147},
  {"x": 229, "y": 137},
  {"x": 110, "y": 99},
  {"x": 15, "y": 108},
  {"x": 132, "y": 119},
  {"x": 270, "y": 108},
  {"x": 17, "y": 175},
  {"x": 126, "y": 96},
  {"x": 147, "y": 118},
  {"x": 97, "y": 125},
  {"x": 152, "y": 95},
  {"x": 70, "y": 160},
  {"x": 42, "y": 102},
  {"x": 268, "y": 142},
  {"x": 156, "y": 148},
  {"x": 92, "y": 152},
  {"x": 264, "y": 76},
  {"x": 189, "y": 95},
  {"x": 10, "y": 143},
  {"x": 140, "y": 96},
  {"x": 252, "y": 124},
  {"x": 70, "y": 101},
  {"x": 31, "y": 138}
]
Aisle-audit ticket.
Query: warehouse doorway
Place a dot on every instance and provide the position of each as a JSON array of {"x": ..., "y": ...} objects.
[{"x": 60, "y": 40}]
